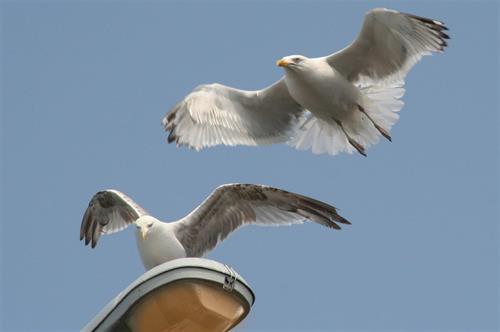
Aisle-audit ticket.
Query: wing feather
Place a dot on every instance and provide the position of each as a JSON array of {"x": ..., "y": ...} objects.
[
  {"x": 388, "y": 46},
  {"x": 216, "y": 114},
  {"x": 232, "y": 206},
  {"x": 109, "y": 211}
]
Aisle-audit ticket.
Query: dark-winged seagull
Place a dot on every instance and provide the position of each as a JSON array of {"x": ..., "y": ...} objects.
[{"x": 226, "y": 209}]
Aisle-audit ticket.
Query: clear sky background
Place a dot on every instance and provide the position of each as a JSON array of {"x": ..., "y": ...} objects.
[{"x": 85, "y": 84}]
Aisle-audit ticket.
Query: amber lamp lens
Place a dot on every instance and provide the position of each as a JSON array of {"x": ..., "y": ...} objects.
[{"x": 187, "y": 305}]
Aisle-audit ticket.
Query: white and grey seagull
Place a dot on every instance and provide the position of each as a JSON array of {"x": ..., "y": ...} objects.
[
  {"x": 342, "y": 102},
  {"x": 226, "y": 209}
]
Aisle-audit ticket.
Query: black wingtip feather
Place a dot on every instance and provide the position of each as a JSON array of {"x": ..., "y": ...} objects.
[
  {"x": 435, "y": 25},
  {"x": 342, "y": 220},
  {"x": 171, "y": 116},
  {"x": 171, "y": 137},
  {"x": 334, "y": 226}
]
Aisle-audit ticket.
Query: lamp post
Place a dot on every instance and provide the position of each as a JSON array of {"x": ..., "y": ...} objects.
[{"x": 187, "y": 294}]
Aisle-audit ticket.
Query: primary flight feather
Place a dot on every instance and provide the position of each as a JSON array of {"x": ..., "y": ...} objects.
[
  {"x": 342, "y": 102},
  {"x": 226, "y": 209}
]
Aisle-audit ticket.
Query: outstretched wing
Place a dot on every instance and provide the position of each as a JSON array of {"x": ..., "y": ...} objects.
[
  {"x": 216, "y": 114},
  {"x": 389, "y": 44},
  {"x": 234, "y": 205},
  {"x": 109, "y": 211}
]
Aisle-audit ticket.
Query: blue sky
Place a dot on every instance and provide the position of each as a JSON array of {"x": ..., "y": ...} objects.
[{"x": 85, "y": 84}]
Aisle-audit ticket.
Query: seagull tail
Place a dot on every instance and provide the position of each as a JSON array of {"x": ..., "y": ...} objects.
[
  {"x": 382, "y": 105},
  {"x": 375, "y": 117},
  {"x": 377, "y": 112},
  {"x": 320, "y": 137}
]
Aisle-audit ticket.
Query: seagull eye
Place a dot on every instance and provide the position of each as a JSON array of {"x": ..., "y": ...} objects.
[{"x": 150, "y": 225}]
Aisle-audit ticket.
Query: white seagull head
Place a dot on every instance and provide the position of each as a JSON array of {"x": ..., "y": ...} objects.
[
  {"x": 144, "y": 224},
  {"x": 293, "y": 62}
]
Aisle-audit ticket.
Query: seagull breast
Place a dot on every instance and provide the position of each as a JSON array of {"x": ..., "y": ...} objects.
[
  {"x": 320, "y": 89},
  {"x": 160, "y": 245}
]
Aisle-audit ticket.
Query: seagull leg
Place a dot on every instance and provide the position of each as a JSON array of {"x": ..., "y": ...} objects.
[
  {"x": 381, "y": 130},
  {"x": 355, "y": 144}
]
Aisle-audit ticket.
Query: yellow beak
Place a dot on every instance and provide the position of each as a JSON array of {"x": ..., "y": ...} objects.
[
  {"x": 143, "y": 233},
  {"x": 282, "y": 63}
]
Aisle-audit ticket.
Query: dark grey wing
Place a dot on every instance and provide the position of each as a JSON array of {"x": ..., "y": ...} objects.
[
  {"x": 216, "y": 114},
  {"x": 109, "y": 211},
  {"x": 388, "y": 46},
  {"x": 234, "y": 205}
]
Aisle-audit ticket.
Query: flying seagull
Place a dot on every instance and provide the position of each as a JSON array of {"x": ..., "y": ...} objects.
[
  {"x": 342, "y": 102},
  {"x": 226, "y": 209}
]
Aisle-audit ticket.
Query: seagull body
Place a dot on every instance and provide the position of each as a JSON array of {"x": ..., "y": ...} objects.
[
  {"x": 342, "y": 102},
  {"x": 160, "y": 245},
  {"x": 319, "y": 88},
  {"x": 226, "y": 209}
]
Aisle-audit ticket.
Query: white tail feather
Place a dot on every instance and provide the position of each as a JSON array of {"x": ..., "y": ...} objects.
[
  {"x": 320, "y": 137},
  {"x": 381, "y": 103}
]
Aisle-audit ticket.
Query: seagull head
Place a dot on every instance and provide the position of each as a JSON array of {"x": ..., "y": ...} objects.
[
  {"x": 144, "y": 225},
  {"x": 292, "y": 62}
]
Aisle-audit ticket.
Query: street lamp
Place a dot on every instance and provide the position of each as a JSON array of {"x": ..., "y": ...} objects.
[{"x": 187, "y": 294}]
